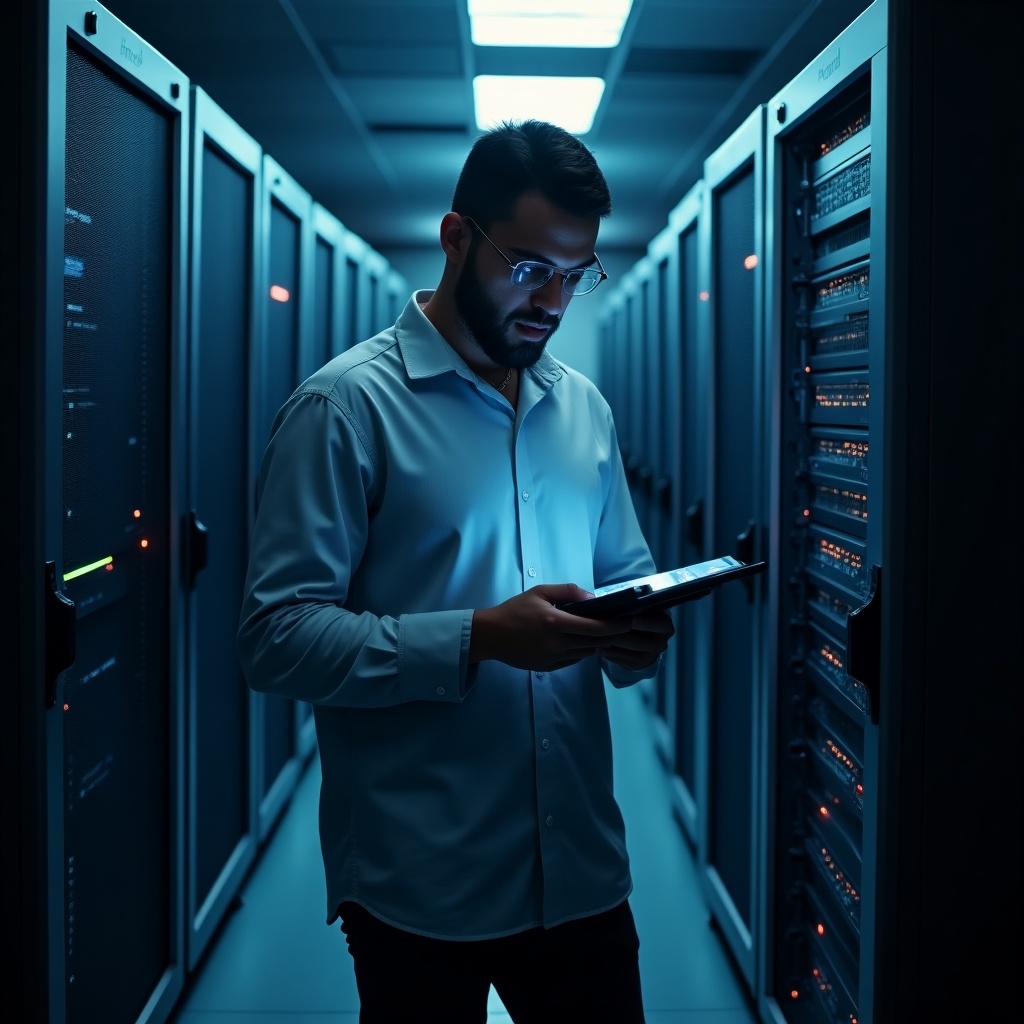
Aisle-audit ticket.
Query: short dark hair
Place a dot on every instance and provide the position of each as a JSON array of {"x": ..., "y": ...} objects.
[{"x": 518, "y": 157}]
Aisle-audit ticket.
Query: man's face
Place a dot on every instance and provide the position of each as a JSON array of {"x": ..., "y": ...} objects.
[
  {"x": 493, "y": 328},
  {"x": 511, "y": 325}
]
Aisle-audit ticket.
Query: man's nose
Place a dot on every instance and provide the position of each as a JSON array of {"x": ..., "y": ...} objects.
[{"x": 550, "y": 296}]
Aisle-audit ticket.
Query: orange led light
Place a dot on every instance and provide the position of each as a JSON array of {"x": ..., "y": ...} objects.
[
  {"x": 750, "y": 262},
  {"x": 137, "y": 513},
  {"x": 279, "y": 293},
  {"x": 703, "y": 296},
  {"x": 143, "y": 543}
]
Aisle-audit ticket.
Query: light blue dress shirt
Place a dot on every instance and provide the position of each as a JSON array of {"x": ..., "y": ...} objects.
[{"x": 398, "y": 493}]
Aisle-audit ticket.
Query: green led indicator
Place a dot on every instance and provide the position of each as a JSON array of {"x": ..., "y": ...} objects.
[{"x": 91, "y": 567}]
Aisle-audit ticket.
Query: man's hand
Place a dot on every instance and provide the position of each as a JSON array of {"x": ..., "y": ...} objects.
[
  {"x": 529, "y": 632},
  {"x": 645, "y": 641}
]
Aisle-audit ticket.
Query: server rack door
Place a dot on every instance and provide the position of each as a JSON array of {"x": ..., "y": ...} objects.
[
  {"x": 224, "y": 316},
  {"x": 284, "y": 358},
  {"x": 735, "y": 524},
  {"x": 689, "y": 460},
  {"x": 118, "y": 176},
  {"x": 376, "y": 269},
  {"x": 622, "y": 361},
  {"x": 608, "y": 320},
  {"x": 614, "y": 362},
  {"x": 328, "y": 306},
  {"x": 357, "y": 290},
  {"x": 640, "y": 378},
  {"x": 397, "y": 296},
  {"x": 632, "y": 423},
  {"x": 826, "y": 311},
  {"x": 663, "y": 434}
]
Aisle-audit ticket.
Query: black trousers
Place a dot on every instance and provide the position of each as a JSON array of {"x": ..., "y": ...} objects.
[{"x": 582, "y": 970}]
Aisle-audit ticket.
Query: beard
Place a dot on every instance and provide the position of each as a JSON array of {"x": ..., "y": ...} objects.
[{"x": 482, "y": 321}]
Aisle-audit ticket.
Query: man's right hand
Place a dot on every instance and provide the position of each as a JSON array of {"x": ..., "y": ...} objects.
[{"x": 528, "y": 631}]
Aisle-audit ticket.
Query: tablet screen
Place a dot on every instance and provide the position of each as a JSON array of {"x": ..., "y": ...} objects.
[{"x": 663, "y": 589}]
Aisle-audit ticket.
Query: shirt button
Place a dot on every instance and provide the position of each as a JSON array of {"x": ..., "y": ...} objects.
[
  {"x": 440, "y": 691},
  {"x": 545, "y": 744},
  {"x": 526, "y": 495},
  {"x": 531, "y": 571},
  {"x": 549, "y": 821}
]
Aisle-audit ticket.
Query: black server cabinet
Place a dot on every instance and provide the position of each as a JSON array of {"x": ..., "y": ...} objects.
[
  {"x": 827, "y": 310},
  {"x": 115, "y": 267},
  {"x": 894, "y": 174},
  {"x": 328, "y": 307},
  {"x": 285, "y": 726},
  {"x": 689, "y": 374},
  {"x": 735, "y": 524},
  {"x": 224, "y": 317}
]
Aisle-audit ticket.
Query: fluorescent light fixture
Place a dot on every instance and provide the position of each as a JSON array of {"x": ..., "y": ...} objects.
[
  {"x": 568, "y": 102},
  {"x": 566, "y": 23}
]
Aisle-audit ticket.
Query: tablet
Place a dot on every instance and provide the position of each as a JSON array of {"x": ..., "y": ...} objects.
[{"x": 663, "y": 589}]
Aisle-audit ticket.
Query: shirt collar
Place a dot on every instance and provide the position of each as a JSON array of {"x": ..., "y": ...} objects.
[{"x": 426, "y": 353}]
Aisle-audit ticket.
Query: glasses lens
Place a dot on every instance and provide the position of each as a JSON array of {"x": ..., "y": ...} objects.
[
  {"x": 579, "y": 282},
  {"x": 531, "y": 275}
]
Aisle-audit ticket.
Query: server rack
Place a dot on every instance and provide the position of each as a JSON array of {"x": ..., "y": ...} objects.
[
  {"x": 689, "y": 427},
  {"x": 731, "y": 321},
  {"x": 356, "y": 287},
  {"x": 285, "y": 726},
  {"x": 328, "y": 307},
  {"x": 638, "y": 466},
  {"x": 662, "y": 412},
  {"x": 224, "y": 325},
  {"x": 828, "y": 294},
  {"x": 631, "y": 415},
  {"x": 397, "y": 292},
  {"x": 375, "y": 269},
  {"x": 614, "y": 359},
  {"x": 869, "y": 150},
  {"x": 116, "y": 208}
]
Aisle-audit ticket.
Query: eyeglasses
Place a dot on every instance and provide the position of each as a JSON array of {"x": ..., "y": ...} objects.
[{"x": 531, "y": 275}]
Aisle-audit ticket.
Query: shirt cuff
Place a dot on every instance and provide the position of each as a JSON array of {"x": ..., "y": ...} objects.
[{"x": 433, "y": 655}]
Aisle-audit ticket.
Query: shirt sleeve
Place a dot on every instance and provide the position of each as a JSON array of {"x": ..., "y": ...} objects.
[{"x": 318, "y": 481}]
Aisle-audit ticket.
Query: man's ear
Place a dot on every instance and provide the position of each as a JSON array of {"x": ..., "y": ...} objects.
[{"x": 456, "y": 235}]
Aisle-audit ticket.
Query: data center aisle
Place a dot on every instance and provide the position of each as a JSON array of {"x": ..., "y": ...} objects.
[{"x": 276, "y": 962}]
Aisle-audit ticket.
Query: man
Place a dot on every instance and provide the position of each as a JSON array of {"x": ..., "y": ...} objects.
[{"x": 426, "y": 501}]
